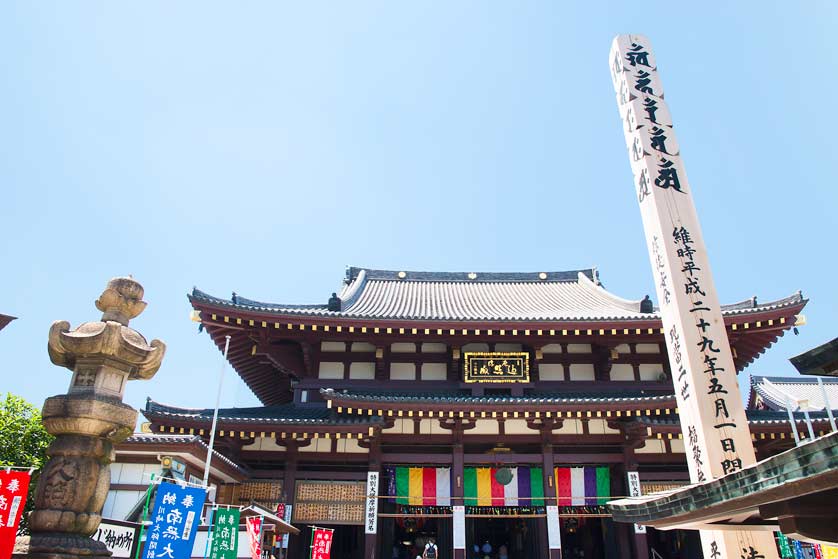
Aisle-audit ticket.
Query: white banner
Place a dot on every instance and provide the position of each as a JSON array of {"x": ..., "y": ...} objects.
[
  {"x": 459, "y": 526},
  {"x": 371, "y": 516},
  {"x": 554, "y": 528},
  {"x": 633, "y": 479}
]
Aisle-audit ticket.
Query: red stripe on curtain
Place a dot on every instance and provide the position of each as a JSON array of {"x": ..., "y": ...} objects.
[
  {"x": 563, "y": 486},
  {"x": 497, "y": 490},
  {"x": 429, "y": 487}
]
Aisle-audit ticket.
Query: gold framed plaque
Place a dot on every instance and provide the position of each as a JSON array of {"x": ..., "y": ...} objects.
[{"x": 497, "y": 367}]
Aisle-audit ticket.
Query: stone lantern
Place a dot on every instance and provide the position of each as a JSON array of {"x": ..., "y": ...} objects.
[{"x": 87, "y": 421}]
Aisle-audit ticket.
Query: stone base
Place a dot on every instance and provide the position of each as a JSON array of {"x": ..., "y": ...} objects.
[{"x": 58, "y": 545}]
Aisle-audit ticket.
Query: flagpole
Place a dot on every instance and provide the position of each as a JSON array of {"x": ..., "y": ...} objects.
[{"x": 215, "y": 415}]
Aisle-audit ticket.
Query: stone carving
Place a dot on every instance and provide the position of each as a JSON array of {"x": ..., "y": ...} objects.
[{"x": 86, "y": 422}]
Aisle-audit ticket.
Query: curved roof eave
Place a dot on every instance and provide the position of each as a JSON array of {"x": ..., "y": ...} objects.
[{"x": 198, "y": 297}]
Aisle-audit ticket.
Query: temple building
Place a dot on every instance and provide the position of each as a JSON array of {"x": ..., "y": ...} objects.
[{"x": 505, "y": 393}]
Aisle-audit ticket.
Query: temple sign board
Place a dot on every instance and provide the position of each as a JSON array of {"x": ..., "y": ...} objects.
[
  {"x": 713, "y": 422},
  {"x": 497, "y": 367}
]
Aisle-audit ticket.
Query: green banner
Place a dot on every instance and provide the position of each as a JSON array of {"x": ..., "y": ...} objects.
[
  {"x": 783, "y": 544},
  {"x": 225, "y": 534}
]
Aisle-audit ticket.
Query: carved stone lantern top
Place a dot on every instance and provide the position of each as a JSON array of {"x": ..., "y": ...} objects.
[
  {"x": 121, "y": 300},
  {"x": 104, "y": 354}
]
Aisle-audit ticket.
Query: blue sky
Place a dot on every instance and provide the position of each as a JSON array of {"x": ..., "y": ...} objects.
[{"x": 263, "y": 147}]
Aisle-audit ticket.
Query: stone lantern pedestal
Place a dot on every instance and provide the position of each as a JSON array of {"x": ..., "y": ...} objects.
[{"x": 86, "y": 422}]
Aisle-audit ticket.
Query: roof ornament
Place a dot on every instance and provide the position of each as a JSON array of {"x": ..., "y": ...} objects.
[
  {"x": 234, "y": 298},
  {"x": 334, "y": 303},
  {"x": 646, "y": 305}
]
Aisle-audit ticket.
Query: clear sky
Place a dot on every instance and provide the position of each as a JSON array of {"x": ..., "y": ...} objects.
[{"x": 262, "y": 147}]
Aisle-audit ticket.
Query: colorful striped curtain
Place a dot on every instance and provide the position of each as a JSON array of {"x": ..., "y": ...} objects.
[
  {"x": 588, "y": 485},
  {"x": 577, "y": 486},
  {"x": 481, "y": 488},
  {"x": 423, "y": 486}
]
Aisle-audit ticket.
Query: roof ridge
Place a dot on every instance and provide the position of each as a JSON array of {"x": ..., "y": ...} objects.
[{"x": 471, "y": 277}]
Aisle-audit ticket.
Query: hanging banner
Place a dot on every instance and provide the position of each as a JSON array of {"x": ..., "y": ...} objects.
[
  {"x": 554, "y": 529},
  {"x": 254, "y": 534},
  {"x": 321, "y": 543},
  {"x": 225, "y": 534},
  {"x": 14, "y": 485},
  {"x": 287, "y": 518},
  {"x": 371, "y": 523},
  {"x": 174, "y": 521},
  {"x": 783, "y": 544},
  {"x": 459, "y": 526},
  {"x": 710, "y": 406},
  {"x": 634, "y": 491}
]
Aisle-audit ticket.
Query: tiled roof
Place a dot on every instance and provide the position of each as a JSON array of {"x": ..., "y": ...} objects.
[
  {"x": 457, "y": 398},
  {"x": 774, "y": 391},
  {"x": 285, "y": 414},
  {"x": 755, "y": 417},
  {"x": 821, "y": 360},
  {"x": 150, "y": 438},
  {"x": 476, "y": 296}
]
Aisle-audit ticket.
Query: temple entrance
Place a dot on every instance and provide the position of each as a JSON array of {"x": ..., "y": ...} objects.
[
  {"x": 517, "y": 536},
  {"x": 411, "y": 533},
  {"x": 582, "y": 538}
]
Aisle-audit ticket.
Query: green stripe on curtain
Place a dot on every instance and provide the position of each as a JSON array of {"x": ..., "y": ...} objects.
[
  {"x": 603, "y": 484},
  {"x": 537, "y": 487},
  {"x": 470, "y": 486},
  {"x": 402, "y": 485}
]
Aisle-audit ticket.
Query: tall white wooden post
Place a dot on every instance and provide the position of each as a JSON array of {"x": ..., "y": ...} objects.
[{"x": 713, "y": 422}]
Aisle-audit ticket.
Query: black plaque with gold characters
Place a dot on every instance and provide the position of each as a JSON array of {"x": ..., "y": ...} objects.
[{"x": 495, "y": 367}]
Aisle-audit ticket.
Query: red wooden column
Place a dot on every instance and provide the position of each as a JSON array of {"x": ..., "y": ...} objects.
[
  {"x": 371, "y": 540},
  {"x": 550, "y": 500},
  {"x": 457, "y": 467}
]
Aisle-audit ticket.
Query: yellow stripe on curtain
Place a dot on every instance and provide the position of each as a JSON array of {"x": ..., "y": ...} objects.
[
  {"x": 416, "y": 486},
  {"x": 484, "y": 487}
]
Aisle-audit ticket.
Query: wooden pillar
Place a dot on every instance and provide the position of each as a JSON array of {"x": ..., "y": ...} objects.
[
  {"x": 457, "y": 470},
  {"x": 289, "y": 481},
  {"x": 632, "y": 440},
  {"x": 548, "y": 469},
  {"x": 371, "y": 540}
]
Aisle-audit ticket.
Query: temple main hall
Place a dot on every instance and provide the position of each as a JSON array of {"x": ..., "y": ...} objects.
[{"x": 504, "y": 393}]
